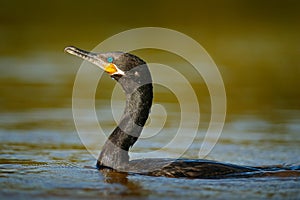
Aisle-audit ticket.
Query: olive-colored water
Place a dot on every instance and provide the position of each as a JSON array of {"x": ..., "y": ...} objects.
[{"x": 255, "y": 45}]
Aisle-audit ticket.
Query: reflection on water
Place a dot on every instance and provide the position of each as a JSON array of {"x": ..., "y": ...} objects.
[{"x": 67, "y": 173}]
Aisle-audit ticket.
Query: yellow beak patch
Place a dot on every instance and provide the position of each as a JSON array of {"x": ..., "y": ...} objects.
[{"x": 111, "y": 68}]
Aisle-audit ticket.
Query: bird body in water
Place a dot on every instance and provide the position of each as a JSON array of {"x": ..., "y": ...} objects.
[{"x": 133, "y": 75}]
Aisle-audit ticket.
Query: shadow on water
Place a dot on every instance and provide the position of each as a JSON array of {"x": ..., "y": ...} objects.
[{"x": 132, "y": 188}]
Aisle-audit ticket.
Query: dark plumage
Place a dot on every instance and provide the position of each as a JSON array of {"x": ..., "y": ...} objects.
[{"x": 133, "y": 75}]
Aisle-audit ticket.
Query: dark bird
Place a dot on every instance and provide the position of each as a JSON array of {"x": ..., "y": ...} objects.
[{"x": 133, "y": 75}]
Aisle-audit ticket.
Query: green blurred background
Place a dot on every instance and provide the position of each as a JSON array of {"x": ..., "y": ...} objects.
[{"x": 255, "y": 44}]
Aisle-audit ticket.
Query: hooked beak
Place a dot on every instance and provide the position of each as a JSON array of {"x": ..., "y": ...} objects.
[{"x": 96, "y": 59}]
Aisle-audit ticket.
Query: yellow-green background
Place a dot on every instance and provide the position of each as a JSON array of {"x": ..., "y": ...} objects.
[{"x": 255, "y": 44}]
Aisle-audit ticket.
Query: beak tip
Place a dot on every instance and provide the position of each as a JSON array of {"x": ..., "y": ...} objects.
[{"x": 69, "y": 49}]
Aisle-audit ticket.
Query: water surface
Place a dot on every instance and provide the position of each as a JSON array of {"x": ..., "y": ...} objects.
[{"x": 42, "y": 155}]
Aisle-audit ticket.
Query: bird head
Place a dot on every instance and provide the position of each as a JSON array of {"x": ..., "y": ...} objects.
[
  {"x": 116, "y": 64},
  {"x": 129, "y": 70}
]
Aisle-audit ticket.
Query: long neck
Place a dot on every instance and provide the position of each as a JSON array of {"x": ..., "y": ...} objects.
[{"x": 114, "y": 153}]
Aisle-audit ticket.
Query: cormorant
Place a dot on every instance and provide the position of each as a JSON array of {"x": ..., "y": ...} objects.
[{"x": 133, "y": 75}]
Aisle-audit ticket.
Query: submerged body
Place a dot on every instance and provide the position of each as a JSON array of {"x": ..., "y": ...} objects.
[
  {"x": 186, "y": 168},
  {"x": 134, "y": 76}
]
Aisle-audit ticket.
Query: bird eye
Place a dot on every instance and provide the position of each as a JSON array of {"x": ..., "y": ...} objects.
[{"x": 110, "y": 59}]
